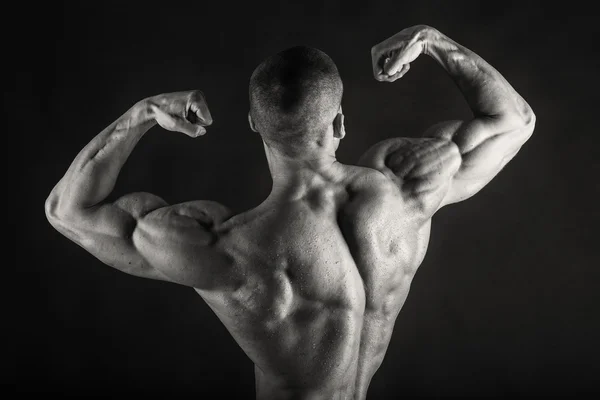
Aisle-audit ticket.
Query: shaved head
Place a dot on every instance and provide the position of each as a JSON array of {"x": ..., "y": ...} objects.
[{"x": 295, "y": 96}]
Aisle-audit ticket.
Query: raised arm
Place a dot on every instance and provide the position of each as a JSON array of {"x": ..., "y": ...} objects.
[
  {"x": 454, "y": 159},
  {"x": 139, "y": 233}
]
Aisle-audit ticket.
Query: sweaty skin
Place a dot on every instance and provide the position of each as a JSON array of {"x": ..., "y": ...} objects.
[{"x": 310, "y": 282}]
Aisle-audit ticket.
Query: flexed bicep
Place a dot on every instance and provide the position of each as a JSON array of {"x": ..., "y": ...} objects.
[
  {"x": 77, "y": 205},
  {"x": 451, "y": 162},
  {"x": 454, "y": 159}
]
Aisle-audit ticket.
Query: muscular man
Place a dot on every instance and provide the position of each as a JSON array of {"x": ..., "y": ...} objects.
[{"x": 310, "y": 282}]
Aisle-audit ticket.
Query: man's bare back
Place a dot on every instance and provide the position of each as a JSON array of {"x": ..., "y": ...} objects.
[
  {"x": 310, "y": 282},
  {"x": 326, "y": 269}
]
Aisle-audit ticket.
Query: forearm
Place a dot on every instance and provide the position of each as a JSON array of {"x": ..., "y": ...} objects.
[
  {"x": 487, "y": 92},
  {"x": 92, "y": 175}
]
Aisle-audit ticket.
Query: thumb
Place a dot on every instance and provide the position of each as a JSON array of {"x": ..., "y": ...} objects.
[
  {"x": 406, "y": 55},
  {"x": 163, "y": 119},
  {"x": 392, "y": 65}
]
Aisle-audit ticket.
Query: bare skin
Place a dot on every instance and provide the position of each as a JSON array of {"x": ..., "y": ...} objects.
[{"x": 310, "y": 282}]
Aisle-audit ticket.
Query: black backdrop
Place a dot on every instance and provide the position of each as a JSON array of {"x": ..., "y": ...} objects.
[{"x": 506, "y": 300}]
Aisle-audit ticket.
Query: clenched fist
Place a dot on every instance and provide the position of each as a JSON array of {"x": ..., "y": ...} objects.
[
  {"x": 392, "y": 57},
  {"x": 184, "y": 112}
]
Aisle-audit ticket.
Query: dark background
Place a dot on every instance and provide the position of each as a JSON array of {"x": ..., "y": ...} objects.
[{"x": 506, "y": 301}]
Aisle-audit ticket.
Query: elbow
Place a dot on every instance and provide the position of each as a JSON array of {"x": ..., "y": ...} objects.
[
  {"x": 55, "y": 212},
  {"x": 526, "y": 117},
  {"x": 528, "y": 124},
  {"x": 64, "y": 220},
  {"x": 529, "y": 118},
  {"x": 521, "y": 122},
  {"x": 51, "y": 209}
]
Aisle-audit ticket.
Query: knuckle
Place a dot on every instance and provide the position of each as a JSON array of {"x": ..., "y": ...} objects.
[{"x": 197, "y": 95}]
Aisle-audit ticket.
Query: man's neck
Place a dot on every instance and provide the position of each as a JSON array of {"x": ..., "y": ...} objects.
[{"x": 311, "y": 169}]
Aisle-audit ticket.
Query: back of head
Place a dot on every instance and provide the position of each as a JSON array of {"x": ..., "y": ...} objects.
[{"x": 295, "y": 96}]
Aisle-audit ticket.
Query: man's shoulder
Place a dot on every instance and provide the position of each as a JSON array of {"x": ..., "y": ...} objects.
[
  {"x": 371, "y": 188},
  {"x": 365, "y": 178},
  {"x": 375, "y": 156}
]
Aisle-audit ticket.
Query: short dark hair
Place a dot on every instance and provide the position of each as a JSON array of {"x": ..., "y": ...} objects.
[{"x": 295, "y": 95}]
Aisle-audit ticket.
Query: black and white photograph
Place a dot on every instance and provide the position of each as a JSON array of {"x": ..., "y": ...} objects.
[{"x": 313, "y": 200}]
